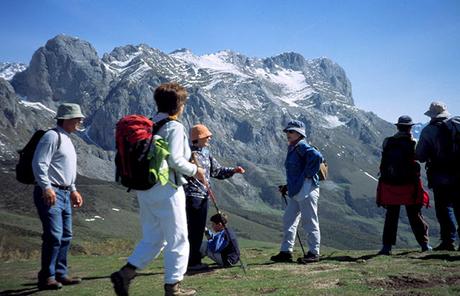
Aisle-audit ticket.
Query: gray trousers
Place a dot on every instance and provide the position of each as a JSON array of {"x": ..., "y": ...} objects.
[
  {"x": 216, "y": 257},
  {"x": 302, "y": 207}
]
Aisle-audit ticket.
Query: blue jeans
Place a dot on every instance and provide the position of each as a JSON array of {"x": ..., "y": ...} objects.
[
  {"x": 57, "y": 233},
  {"x": 447, "y": 206}
]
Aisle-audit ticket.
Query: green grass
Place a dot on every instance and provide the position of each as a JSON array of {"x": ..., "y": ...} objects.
[{"x": 407, "y": 272}]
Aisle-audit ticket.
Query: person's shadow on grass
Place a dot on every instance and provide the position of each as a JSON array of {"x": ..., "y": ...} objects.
[
  {"x": 23, "y": 291},
  {"x": 348, "y": 258},
  {"x": 446, "y": 257},
  {"x": 32, "y": 288}
]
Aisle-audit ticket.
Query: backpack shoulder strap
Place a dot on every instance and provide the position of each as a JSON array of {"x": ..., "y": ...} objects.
[
  {"x": 59, "y": 136},
  {"x": 296, "y": 149},
  {"x": 158, "y": 125}
]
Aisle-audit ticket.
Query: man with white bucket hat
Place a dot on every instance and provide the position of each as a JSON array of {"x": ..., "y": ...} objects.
[
  {"x": 435, "y": 148},
  {"x": 55, "y": 170}
]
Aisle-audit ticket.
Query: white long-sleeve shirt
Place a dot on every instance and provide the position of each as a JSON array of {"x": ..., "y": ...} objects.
[
  {"x": 52, "y": 165},
  {"x": 178, "y": 161}
]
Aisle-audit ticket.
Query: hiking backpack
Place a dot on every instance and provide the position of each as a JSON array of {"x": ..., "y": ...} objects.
[
  {"x": 398, "y": 165},
  {"x": 453, "y": 126},
  {"x": 447, "y": 156},
  {"x": 137, "y": 161},
  {"x": 24, "y": 171},
  {"x": 323, "y": 170}
]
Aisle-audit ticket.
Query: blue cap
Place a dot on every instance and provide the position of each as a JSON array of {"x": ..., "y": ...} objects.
[{"x": 296, "y": 125}]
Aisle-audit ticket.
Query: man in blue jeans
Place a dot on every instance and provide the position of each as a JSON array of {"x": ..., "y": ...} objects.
[{"x": 55, "y": 170}]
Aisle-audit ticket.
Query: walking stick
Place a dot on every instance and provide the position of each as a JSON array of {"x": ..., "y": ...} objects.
[{"x": 296, "y": 232}]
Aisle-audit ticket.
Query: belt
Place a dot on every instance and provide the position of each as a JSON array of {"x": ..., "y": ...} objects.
[{"x": 62, "y": 187}]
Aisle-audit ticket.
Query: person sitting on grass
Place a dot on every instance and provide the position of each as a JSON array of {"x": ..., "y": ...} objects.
[{"x": 222, "y": 245}]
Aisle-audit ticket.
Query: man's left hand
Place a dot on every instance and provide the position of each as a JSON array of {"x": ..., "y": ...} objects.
[{"x": 76, "y": 198}]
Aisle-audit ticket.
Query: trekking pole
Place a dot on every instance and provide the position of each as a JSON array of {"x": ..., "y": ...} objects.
[
  {"x": 213, "y": 199},
  {"x": 296, "y": 232}
]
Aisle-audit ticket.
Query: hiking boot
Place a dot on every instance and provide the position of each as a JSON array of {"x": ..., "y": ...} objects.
[
  {"x": 176, "y": 290},
  {"x": 120, "y": 283},
  {"x": 68, "y": 281},
  {"x": 445, "y": 247},
  {"x": 386, "y": 250},
  {"x": 49, "y": 284},
  {"x": 309, "y": 258},
  {"x": 198, "y": 267},
  {"x": 282, "y": 257}
]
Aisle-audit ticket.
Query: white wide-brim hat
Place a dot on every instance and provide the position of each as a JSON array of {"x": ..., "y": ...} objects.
[{"x": 69, "y": 111}]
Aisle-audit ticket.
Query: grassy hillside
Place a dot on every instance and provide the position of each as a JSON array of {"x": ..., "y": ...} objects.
[{"x": 408, "y": 272}]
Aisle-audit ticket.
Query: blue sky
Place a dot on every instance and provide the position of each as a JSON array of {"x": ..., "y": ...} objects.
[{"x": 399, "y": 55}]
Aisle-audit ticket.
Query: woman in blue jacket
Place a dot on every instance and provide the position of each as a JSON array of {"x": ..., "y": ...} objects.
[{"x": 302, "y": 166}]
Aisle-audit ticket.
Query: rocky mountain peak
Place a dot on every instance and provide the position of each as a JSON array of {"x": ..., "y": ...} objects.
[
  {"x": 289, "y": 60},
  {"x": 181, "y": 50},
  {"x": 65, "y": 69},
  {"x": 64, "y": 46},
  {"x": 334, "y": 74}
]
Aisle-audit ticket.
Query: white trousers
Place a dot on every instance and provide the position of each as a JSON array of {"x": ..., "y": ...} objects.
[
  {"x": 164, "y": 227},
  {"x": 302, "y": 206}
]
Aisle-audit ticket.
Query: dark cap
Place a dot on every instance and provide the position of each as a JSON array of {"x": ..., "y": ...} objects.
[{"x": 404, "y": 120}]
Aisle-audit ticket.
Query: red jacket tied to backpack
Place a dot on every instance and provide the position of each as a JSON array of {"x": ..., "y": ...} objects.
[{"x": 399, "y": 182}]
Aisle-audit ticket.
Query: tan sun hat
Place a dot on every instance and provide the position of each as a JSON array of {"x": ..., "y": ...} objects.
[
  {"x": 69, "y": 111},
  {"x": 199, "y": 131},
  {"x": 437, "y": 110}
]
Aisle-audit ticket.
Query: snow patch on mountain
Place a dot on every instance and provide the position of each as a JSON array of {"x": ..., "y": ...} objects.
[
  {"x": 292, "y": 84},
  {"x": 332, "y": 121},
  {"x": 139, "y": 72},
  {"x": 215, "y": 62},
  {"x": 370, "y": 176},
  {"x": 8, "y": 70},
  {"x": 118, "y": 67},
  {"x": 37, "y": 106}
]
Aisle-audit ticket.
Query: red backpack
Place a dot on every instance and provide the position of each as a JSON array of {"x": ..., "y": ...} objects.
[{"x": 134, "y": 136}]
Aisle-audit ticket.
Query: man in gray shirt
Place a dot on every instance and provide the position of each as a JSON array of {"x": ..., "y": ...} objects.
[{"x": 55, "y": 170}]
